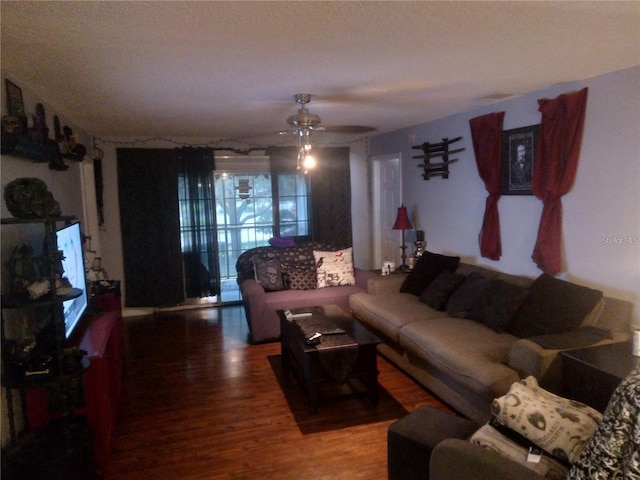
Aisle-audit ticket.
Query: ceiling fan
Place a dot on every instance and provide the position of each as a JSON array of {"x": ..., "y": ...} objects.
[
  {"x": 304, "y": 120},
  {"x": 304, "y": 123}
]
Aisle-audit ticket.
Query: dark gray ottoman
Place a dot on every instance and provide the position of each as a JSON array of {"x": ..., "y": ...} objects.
[{"x": 411, "y": 439}]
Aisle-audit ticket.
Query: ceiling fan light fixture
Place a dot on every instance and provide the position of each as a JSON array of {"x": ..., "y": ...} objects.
[
  {"x": 305, "y": 158},
  {"x": 309, "y": 161}
]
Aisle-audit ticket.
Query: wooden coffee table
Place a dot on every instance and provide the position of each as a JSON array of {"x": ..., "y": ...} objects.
[{"x": 354, "y": 356}]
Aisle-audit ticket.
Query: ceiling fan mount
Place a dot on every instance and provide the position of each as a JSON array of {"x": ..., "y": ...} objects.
[{"x": 304, "y": 120}]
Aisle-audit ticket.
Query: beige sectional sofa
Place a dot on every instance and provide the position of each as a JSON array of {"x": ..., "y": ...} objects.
[{"x": 466, "y": 362}]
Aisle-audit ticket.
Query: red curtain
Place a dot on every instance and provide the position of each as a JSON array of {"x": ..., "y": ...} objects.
[
  {"x": 554, "y": 170},
  {"x": 486, "y": 132}
]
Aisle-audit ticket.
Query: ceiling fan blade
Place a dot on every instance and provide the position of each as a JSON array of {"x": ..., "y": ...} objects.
[{"x": 348, "y": 128}]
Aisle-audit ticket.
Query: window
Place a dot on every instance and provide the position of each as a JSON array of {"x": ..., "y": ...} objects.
[
  {"x": 293, "y": 206},
  {"x": 253, "y": 206}
]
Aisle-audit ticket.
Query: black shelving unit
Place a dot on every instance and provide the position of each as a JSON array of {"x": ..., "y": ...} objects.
[{"x": 31, "y": 454}]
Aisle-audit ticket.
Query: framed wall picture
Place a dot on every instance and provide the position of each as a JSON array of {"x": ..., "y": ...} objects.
[{"x": 518, "y": 154}]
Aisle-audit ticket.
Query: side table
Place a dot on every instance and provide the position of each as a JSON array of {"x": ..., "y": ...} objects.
[{"x": 590, "y": 375}]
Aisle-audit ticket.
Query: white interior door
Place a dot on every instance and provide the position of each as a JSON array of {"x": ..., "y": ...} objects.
[{"x": 387, "y": 195}]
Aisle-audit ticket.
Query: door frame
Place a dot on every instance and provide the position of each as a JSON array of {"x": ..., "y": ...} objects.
[{"x": 377, "y": 164}]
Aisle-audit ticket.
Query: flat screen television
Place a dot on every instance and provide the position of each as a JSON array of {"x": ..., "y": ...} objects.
[{"x": 69, "y": 240}]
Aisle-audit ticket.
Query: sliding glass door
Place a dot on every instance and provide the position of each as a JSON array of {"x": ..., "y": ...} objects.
[{"x": 251, "y": 208}]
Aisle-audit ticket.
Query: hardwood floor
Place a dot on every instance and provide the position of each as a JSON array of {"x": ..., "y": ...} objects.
[{"x": 201, "y": 403}]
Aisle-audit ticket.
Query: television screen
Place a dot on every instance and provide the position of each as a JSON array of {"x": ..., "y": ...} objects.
[{"x": 69, "y": 239}]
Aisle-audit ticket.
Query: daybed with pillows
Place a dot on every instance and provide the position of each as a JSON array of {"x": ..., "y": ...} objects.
[
  {"x": 467, "y": 333},
  {"x": 287, "y": 276}
]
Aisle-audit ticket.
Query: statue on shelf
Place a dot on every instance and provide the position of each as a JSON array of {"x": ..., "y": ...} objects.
[{"x": 30, "y": 198}]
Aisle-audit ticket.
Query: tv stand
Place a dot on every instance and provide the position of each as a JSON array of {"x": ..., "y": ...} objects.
[{"x": 101, "y": 335}]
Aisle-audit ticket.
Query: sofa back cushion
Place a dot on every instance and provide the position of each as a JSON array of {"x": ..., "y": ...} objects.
[
  {"x": 553, "y": 306},
  {"x": 439, "y": 291},
  {"x": 427, "y": 268},
  {"x": 461, "y": 301},
  {"x": 497, "y": 304},
  {"x": 300, "y": 255}
]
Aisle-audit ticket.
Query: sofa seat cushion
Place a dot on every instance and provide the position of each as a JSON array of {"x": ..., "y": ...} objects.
[
  {"x": 390, "y": 312},
  {"x": 288, "y": 299},
  {"x": 469, "y": 352}
]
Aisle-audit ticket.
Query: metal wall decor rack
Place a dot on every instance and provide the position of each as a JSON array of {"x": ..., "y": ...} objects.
[{"x": 437, "y": 150}]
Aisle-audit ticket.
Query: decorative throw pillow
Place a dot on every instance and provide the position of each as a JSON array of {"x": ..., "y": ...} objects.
[
  {"x": 559, "y": 427},
  {"x": 461, "y": 301},
  {"x": 491, "y": 439},
  {"x": 282, "y": 242},
  {"x": 439, "y": 291},
  {"x": 268, "y": 273},
  {"x": 553, "y": 306},
  {"x": 613, "y": 453},
  {"x": 300, "y": 278},
  {"x": 497, "y": 304},
  {"x": 532, "y": 383},
  {"x": 426, "y": 269},
  {"x": 334, "y": 268}
]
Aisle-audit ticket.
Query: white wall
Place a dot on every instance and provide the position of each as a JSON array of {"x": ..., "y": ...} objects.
[{"x": 602, "y": 208}]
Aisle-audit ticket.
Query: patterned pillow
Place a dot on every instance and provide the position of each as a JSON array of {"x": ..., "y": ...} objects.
[
  {"x": 491, "y": 439},
  {"x": 334, "y": 268},
  {"x": 300, "y": 278},
  {"x": 268, "y": 273},
  {"x": 613, "y": 453},
  {"x": 532, "y": 383},
  {"x": 559, "y": 426}
]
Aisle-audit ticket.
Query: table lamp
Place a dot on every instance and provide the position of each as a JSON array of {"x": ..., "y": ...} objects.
[{"x": 402, "y": 223}]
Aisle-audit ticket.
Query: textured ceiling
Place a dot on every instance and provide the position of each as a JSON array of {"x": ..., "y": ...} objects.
[{"x": 229, "y": 70}]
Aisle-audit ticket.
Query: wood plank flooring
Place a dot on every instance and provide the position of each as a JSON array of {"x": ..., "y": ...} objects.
[{"x": 201, "y": 403}]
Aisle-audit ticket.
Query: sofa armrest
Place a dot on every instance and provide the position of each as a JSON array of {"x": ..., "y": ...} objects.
[
  {"x": 379, "y": 284},
  {"x": 453, "y": 459},
  {"x": 363, "y": 276},
  {"x": 529, "y": 358},
  {"x": 253, "y": 298}
]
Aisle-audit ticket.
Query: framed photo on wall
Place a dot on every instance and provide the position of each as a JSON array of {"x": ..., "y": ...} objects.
[{"x": 518, "y": 154}]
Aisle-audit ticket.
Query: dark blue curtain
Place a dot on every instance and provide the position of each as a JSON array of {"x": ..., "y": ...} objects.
[
  {"x": 330, "y": 191},
  {"x": 198, "y": 232},
  {"x": 150, "y": 225}
]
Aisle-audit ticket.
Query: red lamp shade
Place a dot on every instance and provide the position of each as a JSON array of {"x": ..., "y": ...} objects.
[{"x": 402, "y": 220}]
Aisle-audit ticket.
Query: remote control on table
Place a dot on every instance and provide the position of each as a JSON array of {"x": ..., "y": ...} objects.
[
  {"x": 313, "y": 339},
  {"x": 334, "y": 331},
  {"x": 290, "y": 315}
]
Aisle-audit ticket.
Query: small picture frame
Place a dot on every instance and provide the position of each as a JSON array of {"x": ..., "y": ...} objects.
[
  {"x": 518, "y": 154},
  {"x": 15, "y": 103}
]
